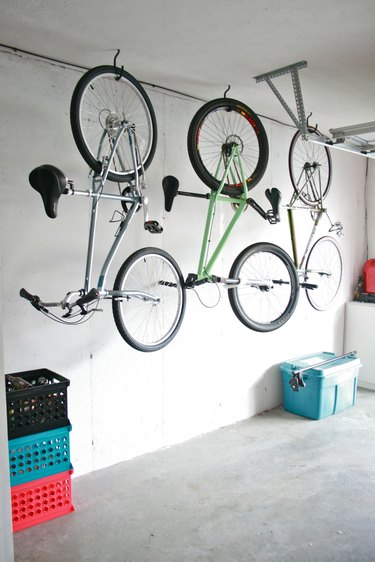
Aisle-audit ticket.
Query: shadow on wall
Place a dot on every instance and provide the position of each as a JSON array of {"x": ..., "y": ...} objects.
[{"x": 267, "y": 392}]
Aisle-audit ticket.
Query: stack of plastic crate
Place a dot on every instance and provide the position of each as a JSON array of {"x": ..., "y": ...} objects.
[{"x": 39, "y": 448}]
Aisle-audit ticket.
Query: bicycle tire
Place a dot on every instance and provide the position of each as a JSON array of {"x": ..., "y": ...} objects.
[
  {"x": 324, "y": 267},
  {"x": 148, "y": 325},
  {"x": 268, "y": 291},
  {"x": 307, "y": 161},
  {"x": 103, "y": 97},
  {"x": 221, "y": 121}
]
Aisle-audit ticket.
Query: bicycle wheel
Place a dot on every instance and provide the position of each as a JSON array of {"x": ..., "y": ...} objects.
[
  {"x": 215, "y": 126},
  {"x": 149, "y": 317},
  {"x": 324, "y": 266},
  {"x": 104, "y": 97},
  {"x": 310, "y": 169},
  {"x": 269, "y": 288}
]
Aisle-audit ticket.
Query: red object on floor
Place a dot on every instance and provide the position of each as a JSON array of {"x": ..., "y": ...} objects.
[
  {"x": 369, "y": 276},
  {"x": 41, "y": 500}
]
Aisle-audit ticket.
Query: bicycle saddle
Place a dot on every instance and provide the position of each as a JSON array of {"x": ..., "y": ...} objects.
[
  {"x": 51, "y": 183},
  {"x": 274, "y": 197},
  {"x": 170, "y": 188}
]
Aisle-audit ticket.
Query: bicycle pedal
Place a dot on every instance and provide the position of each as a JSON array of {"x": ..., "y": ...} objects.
[
  {"x": 191, "y": 280},
  {"x": 308, "y": 285},
  {"x": 153, "y": 227}
]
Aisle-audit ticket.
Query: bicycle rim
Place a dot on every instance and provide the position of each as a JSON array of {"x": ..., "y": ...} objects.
[
  {"x": 324, "y": 268},
  {"x": 149, "y": 324},
  {"x": 268, "y": 292},
  {"x": 100, "y": 102},
  {"x": 218, "y": 123},
  {"x": 310, "y": 169}
]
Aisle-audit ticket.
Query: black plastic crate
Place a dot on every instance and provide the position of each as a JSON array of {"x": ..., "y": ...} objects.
[{"x": 37, "y": 408}]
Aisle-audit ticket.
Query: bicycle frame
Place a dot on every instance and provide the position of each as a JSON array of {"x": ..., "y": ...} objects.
[
  {"x": 206, "y": 263},
  {"x": 309, "y": 178},
  {"x": 319, "y": 213},
  {"x": 310, "y": 175},
  {"x": 136, "y": 200},
  {"x": 231, "y": 158}
]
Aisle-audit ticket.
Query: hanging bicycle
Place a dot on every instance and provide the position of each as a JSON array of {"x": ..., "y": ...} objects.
[
  {"x": 321, "y": 266},
  {"x": 228, "y": 149},
  {"x": 114, "y": 127}
]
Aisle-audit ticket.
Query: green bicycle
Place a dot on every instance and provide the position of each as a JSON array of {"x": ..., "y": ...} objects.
[{"x": 228, "y": 149}]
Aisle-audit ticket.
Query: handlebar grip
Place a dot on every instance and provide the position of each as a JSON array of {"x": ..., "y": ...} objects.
[
  {"x": 29, "y": 297},
  {"x": 33, "y": 299},
  {"x": 92, "y": 295}
]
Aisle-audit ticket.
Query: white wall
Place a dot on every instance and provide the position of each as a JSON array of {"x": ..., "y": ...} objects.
[
  {"x": 123, "y": 403},
  {"x": 6, "y": 538},
  {"x": 370, "y": 192}
]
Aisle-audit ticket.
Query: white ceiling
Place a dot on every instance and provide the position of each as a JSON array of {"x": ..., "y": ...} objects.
[{"x": 200, "y": 46}]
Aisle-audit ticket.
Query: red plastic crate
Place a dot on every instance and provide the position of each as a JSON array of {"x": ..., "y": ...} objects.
[
  {"x": 369, "y": 276},
  {"x": 41, "y": 500}
]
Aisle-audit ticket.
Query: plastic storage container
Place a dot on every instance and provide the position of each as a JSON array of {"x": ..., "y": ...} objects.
[
  {"x": 39, "y": 455},
  {"x": 369, "y": 276},
  {"x": 329, "y": 388},
  {"x": 41, "y": 500},
  {"x": 37, "y": 408}
]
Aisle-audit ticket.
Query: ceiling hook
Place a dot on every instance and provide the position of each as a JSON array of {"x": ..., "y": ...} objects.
[
  {"x": 312, "y": 129},
  {"x": 226, "y": 91},
  {"x": 121, "y": 70},
  {"x": 115, "y": 59}
]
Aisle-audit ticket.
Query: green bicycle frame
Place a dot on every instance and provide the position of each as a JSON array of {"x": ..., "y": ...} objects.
[{"x": 206, "y": 263}]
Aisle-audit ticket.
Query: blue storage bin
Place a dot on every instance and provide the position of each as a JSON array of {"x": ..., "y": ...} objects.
[
  {"x": 39, "y": 455},
  {"x": 330, "y": 384}
]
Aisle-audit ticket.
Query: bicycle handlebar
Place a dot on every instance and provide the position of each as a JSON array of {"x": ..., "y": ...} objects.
[{"x": 171, "y": 184}]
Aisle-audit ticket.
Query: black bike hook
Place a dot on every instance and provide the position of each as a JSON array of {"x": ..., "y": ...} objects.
[{"x": 115, "y": 65}]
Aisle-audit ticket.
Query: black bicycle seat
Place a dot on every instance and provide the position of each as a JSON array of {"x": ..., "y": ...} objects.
[
  {"x": 170, "y": 188},
  {"x": 274, "y": 197},
  {"x": 51, "y": 183}
]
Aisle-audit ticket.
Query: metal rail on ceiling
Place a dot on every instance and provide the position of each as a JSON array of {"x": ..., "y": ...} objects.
[{"x": 350, "y": 138}]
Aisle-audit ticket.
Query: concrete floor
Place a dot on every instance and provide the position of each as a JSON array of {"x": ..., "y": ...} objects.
[{"x": 276, "y": 487}]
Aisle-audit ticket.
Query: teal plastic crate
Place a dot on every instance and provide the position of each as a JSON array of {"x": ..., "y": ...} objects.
[
  {"x": 39, "y": 455},
  {"x": 330, "y": 384}
]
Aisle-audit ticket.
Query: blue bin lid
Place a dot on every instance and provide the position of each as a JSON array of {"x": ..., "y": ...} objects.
[{"x": 312, "y": 361}]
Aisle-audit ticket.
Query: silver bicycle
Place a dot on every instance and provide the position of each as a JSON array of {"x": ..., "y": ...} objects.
[{"x": 114, "y": 127}]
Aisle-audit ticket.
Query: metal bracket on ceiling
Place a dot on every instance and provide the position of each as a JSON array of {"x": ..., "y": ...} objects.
[
  {"x": 345, "y": 138},
  {"x": 292, "y": 69}
]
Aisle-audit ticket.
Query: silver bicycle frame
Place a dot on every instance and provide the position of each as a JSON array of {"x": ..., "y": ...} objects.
[{"x": 136, "y": 200}]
